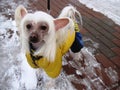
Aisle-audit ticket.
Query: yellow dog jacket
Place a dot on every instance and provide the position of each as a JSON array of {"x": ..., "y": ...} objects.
[{"x": 53, "y": 68}]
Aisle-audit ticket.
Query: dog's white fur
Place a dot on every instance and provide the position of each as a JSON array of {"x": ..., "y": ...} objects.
[{"x": 54, "y": 37}]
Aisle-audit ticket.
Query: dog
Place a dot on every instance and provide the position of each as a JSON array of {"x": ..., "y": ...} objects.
[{"x": 45, "y": 39}]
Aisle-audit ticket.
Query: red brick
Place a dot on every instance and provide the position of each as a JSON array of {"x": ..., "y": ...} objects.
[
  {"x": 84, "y": 13},
  {"x": 117, "y": 42},
  {"x": 104, "y": 60},
  {"x": 101, "y": 73},
  {"x": 116, "y": 60},
  {"x": 117, "y": 35},
  {"x": 118, "y": 71},
  {"x": 117, "y": 28},
  {"x": 79, "y": 86},
  {"x": 69, "y": 70},
  {"x": 116, "y": 50},
  {"x": 83, "y": 31}
]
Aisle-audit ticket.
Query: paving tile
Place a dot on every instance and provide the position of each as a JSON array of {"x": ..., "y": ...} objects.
[
  {"x": 117, "y": 35},
  {"x": 117, "y": 42},
  {"x": 79, "y": 86},
  {"x": 104, "y": 61},
  {"x": 104, "y": 25},
  {"x": 105, "y": 78},
  {"x": 116, "y": 50},
  {"x": 116, "y": 60},
  {"x": 69, "y": 70},
  {"x": 99, "y": 33},
  {"x": 83, "y": 31},
  {"x": 117, "y": 28}
]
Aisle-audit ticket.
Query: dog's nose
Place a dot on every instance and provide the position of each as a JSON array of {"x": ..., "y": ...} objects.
[{"x": 34, "y": 38}]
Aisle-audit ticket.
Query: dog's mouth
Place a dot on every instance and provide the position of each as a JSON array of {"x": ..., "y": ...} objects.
[{"x": 34, "y": 46}]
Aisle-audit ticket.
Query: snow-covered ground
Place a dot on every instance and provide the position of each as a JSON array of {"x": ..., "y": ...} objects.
[
  {"x": 16, "y": 74},
  {"x": 110, "y": 8}
]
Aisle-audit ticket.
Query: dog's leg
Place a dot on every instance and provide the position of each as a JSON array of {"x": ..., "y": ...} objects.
[{"x": 75, "y": 56}]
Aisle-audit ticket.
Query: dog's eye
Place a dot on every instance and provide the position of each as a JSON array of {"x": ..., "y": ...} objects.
[
  {"x": 43, "y": 27},
  {"x": 29, "y": 26}
]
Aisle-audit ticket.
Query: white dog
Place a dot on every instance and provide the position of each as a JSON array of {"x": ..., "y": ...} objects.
[{"x": 46, "y": 39}]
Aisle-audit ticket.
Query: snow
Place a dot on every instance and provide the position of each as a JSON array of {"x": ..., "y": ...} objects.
[
  {"x": 16, "y": 74},
  {"x": 110, "y": 8},
  {"x": 28, "y": 76}
]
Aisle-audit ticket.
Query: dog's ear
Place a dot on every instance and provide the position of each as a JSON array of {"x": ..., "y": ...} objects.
[
  {"x": 61, "y": 23},
  {"x": 20, "y": 12}
]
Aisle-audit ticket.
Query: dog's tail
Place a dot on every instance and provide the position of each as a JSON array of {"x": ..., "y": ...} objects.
[{"x": 71, "y": 12}]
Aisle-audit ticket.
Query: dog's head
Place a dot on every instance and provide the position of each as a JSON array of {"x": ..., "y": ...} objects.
[{"x": 38, "y": 31}]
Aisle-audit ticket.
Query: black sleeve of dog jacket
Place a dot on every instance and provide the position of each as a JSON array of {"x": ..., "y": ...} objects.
[{"x": 78, "y": 43}]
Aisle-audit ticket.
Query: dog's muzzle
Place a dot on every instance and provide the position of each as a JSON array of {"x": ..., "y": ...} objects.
[{"x": 34, "y": 38}]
